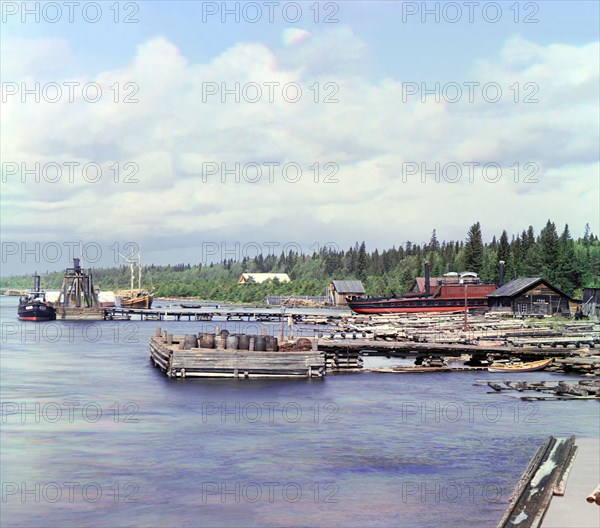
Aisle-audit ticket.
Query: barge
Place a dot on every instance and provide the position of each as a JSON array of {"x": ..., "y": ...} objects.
[{"x": 241, "y": 356}]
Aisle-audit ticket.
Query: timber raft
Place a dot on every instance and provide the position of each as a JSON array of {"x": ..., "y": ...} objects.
[{"x": 239, "y": 356}]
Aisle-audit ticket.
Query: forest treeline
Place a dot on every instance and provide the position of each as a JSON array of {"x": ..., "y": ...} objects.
[{"x": 568, "y": 263}]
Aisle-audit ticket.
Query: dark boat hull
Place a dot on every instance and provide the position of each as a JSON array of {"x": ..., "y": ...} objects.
[
  {"x": 36, "y": 312},
  {"x": 418, "y": 306}
]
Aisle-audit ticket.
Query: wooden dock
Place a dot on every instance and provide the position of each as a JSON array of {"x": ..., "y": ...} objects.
[
  {"x": 225, "y": 314},
  {"x": 177, "y": 359},
  {"x": 545, "y": 476},
  {"x": 407, "y": 348}
]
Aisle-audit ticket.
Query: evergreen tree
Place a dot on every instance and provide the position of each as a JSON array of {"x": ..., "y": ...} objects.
[
  {"x": 549, "y": 251},
  {"x": 503, "y": 252},
  {"x": 434, "y": 245},
  {"x": 568, "y": 274},
  {"x": 473, "y": 258},
  {"x": 361, "y": 262}
]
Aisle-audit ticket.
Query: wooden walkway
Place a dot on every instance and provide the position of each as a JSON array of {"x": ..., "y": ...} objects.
[
  {"x": 545, "y": 476},
  {"x": 406, "y": 348},
  {"x": 227, "y": 314}
]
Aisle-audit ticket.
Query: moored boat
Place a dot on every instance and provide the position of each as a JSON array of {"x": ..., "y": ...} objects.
[
  {"x": 34, "y": 306},
  {"x": 141, "y": 300},
  {"x": 452, "y": 293},
  {"x": 520, "y": 367}
]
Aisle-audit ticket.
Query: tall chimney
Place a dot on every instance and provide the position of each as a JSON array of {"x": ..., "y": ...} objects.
[
  {"x": 501, "y": 278},
  {"x": 427, "y": 286},
  {"x": 36, "y": 282}
]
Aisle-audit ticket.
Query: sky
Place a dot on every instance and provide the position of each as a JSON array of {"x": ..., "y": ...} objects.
[{"x": 200, "y": 131}]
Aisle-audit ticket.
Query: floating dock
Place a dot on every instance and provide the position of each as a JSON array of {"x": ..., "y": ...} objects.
[{"x": 188, "y": 356}]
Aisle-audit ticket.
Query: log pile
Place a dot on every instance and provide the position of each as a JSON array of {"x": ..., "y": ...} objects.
[
  {"x": 448, "y": 328},
  {"x": 587, "y": 365},
  {"x": 343, "y": 360}
]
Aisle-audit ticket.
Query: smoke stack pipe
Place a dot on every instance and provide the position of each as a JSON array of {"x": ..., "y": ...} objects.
[
  {"x": 36, "y": 283},
  {"x": 427, "y": 286},
  {"x": 501, "y": 278}
]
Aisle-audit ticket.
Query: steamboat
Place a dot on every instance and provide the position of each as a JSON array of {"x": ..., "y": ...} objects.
[
  {"x": 453, "y": 292},
  {"x": 34, "y": 306}
]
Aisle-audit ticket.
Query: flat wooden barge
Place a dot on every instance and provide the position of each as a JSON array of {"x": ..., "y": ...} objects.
[{"x": 183, "y": 357}]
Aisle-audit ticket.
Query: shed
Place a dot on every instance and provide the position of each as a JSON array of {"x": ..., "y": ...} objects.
[
  {"x": 591, "y": 303},
  {"x": 340, "y": 289},
  {"x": 530, "y": 295},
  {"x": 262, "y": 277}
]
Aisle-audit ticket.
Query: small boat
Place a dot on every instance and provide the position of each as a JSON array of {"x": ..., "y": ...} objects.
[
  {"x": 141, "y": 300},
  {"x": 190, "y": 306},
  {"x": 137, "y": 298},
  {"x": 34, "y": 306},
  {"x": 520, "y": 367}
]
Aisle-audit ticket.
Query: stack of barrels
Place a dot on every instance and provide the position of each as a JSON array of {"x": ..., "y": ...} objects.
[{"x": 226, "y": 341}]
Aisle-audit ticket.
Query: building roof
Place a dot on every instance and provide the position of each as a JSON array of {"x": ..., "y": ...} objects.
[
  {"x": 517, "y": 286},
  {"x": 514, "y": 287},
  {"x": 348, "y": 286},
  {"x": 262, "y": 277}
]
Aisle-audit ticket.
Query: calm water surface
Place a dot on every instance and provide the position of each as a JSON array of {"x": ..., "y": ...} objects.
[{"x": 93, "y": 435}]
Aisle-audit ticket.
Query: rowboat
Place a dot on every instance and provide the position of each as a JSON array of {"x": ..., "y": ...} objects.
[{"x": 521, "y": 367}]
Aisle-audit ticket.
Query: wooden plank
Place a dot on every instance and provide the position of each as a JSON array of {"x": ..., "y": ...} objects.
[{"x": 543, "y": 476}]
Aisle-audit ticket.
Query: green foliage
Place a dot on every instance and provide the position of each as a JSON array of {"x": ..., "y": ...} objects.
[
  {"x": 567, "y": 263},
  {"x": 474, "y": 258}
]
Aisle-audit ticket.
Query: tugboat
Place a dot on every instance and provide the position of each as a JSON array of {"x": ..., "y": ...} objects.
[
  {"x": 34, "y": 307},
  {"x": 456, "y": 292}
]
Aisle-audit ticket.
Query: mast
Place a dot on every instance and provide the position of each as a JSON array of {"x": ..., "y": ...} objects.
[
  {"x": 139, "y": 269},
  {"x": 131, "y": 268}
]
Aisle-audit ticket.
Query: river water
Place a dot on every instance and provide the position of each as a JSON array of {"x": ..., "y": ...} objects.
[{"x": 93, "y": 435}]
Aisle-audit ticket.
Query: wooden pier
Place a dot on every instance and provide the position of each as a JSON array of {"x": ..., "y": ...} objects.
[
  {"x": 226, "y": 314},
  {"x": 182, "y": 357},
  {"x": 545, "y": 476},
  {"x": 408, "y": 348}
]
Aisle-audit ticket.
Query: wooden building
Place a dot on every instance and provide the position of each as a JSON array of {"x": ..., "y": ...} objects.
[
  {"x": 340, "y": 289},
  {"x": 591, "y": 303},
  {"x": 532, "y": 295},
  {"x": 262, "y": 277}
]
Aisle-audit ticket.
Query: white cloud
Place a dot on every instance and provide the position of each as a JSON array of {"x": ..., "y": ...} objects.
[{"x": 177, "y": 126}]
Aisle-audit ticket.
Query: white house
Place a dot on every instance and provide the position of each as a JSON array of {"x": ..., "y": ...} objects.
[{"x": 262, "y": 277}]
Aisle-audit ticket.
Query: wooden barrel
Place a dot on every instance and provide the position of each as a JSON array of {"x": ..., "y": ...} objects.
[
  {"x": 260, "y": 343},
  {"x": 207, "y": 340},
  {"x": 231, "y": 342},
  {"x": 219, "y": 342},
  {"x": 243, "y": 342},
  {"x": 271, "y": 344},
  {"x": 190, "y": 341},
  {"x": 304, "y": 344}
]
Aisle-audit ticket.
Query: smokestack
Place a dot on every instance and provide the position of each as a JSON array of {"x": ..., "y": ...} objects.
[
  {"x": 36, "y": 282},
  {"x": 501, "y": 278},
  {"x": 427, "y": 286}
]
